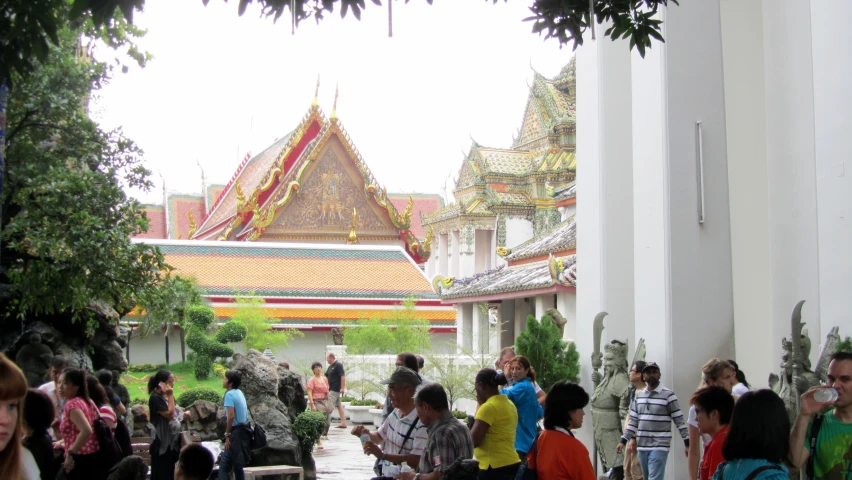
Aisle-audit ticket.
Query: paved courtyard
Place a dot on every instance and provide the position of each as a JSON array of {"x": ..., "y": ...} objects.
[{"x": 342, "y": 457}]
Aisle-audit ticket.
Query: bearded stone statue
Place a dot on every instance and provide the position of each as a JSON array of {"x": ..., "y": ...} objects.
[{"x": 610, "y": 404}]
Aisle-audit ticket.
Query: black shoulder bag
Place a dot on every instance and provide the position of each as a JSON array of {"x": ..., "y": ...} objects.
[
  {"x": 526, "y": 472},
  {"x": 812, "y": 441},
  {"x": 258, "y": 434}
]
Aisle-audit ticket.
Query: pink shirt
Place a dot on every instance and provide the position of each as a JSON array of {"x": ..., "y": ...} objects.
[
  {"x": 318, "y": 387},
  {"x": 69, "y": 431}
]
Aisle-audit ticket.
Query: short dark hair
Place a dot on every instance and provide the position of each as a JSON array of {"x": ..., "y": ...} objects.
[
  {"x": 563, "y": 398},
  {"x": 717, "y": 399},
  {"x": 38, "y": 410},
  {"x": 160, "y": 377},
  {"x": 760, "y": 428},
  {"x": 640, "y": 365},
  {"x": 196, "y": 462},
  {"x": 104, "y": 376},
  {"x": 432, "y": 394},
  {"x": 59, "y": 362},
  {"x": 420, "y": 362},
  {"x": 77, "y": 377},
  {"x": 409, "y": 361},
  {"x": 315, "y": 365},
  {"x": 235, "y": 378},
  {"x": 489, "y": 377},
  {"x": 840, "y": 356}
]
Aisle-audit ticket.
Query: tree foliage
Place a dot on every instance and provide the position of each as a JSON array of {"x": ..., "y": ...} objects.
[
  {"x": 207, "y": 349},
  {"x": 66, "y": 220},
  {"x": 166, "y": 304},
  {"x": 552, "y": 358},
  {"x": 259, "y": 331},
  {"x": 401, "y": 331}
]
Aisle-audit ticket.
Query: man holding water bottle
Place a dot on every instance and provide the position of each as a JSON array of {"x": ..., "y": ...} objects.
[
  {"x": 402, "y": 437},
  {"x": 823, "y": 442}
]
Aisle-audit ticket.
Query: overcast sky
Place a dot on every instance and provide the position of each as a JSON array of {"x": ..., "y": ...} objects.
[{"x": 221, "y": 85}]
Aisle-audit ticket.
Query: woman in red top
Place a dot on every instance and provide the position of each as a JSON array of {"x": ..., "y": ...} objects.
[
  {"x": 558, "y": 455},
  {"x": 317, "y": 394},
  {"x": 82, "y": 458}
]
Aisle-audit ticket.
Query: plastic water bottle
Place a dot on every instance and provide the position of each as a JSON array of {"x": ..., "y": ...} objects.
[
  {"x": 825, "y": 395},
  {"x": 365, "y": 437}
]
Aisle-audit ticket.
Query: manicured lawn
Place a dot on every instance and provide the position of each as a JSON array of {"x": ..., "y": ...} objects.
[{"x": 137, "y": 382}]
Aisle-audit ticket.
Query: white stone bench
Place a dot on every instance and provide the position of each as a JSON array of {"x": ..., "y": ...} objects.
[{"x": 253, "y": 473}]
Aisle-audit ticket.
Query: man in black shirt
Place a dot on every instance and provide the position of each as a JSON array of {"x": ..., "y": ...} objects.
[{"x": 336, "y": 385}]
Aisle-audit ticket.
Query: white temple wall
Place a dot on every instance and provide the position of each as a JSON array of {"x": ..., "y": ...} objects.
[
  {"x": 566, "y": 303},
  {"x": 443, "y": 255},
  {"x": 455, "y": 258},
  {"x": 507, "y": 326},
  {"x": 566, "y": 211},
  {"x": 484, "y": 254},
  {"x": 518, "y": 231},
  {"x": 832, "y": 69}
]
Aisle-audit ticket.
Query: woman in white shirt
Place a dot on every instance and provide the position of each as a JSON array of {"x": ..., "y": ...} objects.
[{"x": 741, "y": 387}]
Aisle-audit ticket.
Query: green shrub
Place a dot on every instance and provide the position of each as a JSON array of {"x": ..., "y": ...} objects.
[
  {"x": 363, "y": 403},
  {"x": 231, "y": 332},
  {"x": 138, "y": 401},
  {"x": 219, "y": 370},
  {"x": 460, "y": 415},
  {"x": 145, "y": 367},
  {"x": 346, "y": 398},
  {"x": 309, "y": 426},
  {"x": 207, "y": 349},
  {"x": 188, "y": 397}
]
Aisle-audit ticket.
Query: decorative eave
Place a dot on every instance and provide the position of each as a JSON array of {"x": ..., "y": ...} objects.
[
  {"x": 553, "y": 275},
  {"x": 561, "y": 238}
]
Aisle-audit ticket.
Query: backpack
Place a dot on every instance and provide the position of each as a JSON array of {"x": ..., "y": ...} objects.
[
  {"x": 754, "y": 473},
  {"x": 109, "y": 449}
]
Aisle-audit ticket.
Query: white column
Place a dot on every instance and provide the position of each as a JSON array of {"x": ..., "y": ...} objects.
[
  {"x": 542, "y": 303},
  {"x": 443, "y": 255},
  {"x": 507, "y": 322},
  {"x": 467, "y": 252},
  {"x": 682, "y": 269},
  {"x": 453, "y": 239},
  {"x": 832, "y": 67},
  {"x": 522, "y": 309},
  {"x": 567, "y": 306},
  {"x": 464, "y": 333},
  {"x": 604, "y": 202}
]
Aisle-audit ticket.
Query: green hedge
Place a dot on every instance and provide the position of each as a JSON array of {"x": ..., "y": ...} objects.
[
  {"x": 363, "y": 403},
  {"x": 207, "y": 349},
  {"x": 231, "y": 332},
  {"x": 145, "y": 367},
  {"x": 188, "y": 397},
  {"x": 460, "y": 414},
  {"x": 308, "y": 427}
]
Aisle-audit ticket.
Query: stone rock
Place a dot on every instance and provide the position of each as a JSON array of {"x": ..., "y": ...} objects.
[
  {"x": 203, "y": 420},
  {"x": 141, "y": 418},
  {"x": 33, "y": 359},
  {"x": 291, "y": 392},
  {"x": 260, "y": 385}
]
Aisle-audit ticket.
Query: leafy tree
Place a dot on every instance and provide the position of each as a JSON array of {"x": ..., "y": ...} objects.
[
  {"x": 552, "y": 358},
  {"x": 402, "y": 330},
  {"x": 455, "y": 375},
  {"x": 167, "y": 304},
  {"x": 66, "y": 221},
  {"x": 259, "y": 331}
]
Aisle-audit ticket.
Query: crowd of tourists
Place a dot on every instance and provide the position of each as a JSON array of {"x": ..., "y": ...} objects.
[
  {"x": 519, "y": 432},
  {"x": 74, "y": 427}
]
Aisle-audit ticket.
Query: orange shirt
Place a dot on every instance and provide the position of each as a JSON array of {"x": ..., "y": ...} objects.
[
  {"x": 713, "y": 454},
  {"x": 561, "y": 457}
]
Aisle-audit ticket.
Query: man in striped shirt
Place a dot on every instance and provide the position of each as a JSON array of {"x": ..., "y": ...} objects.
[
  {"x": 402, "y": 437},
  {"x": 651, "y": 414}
]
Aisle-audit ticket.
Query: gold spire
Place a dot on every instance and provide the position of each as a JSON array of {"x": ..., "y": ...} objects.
[
  {"x": 353, "y": 239},
  {"x": 315, "y": 103},
  {"x": 334, "y": 108}
]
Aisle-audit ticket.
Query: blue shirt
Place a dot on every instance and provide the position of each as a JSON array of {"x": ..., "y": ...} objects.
[
  {"x": 235, "y": 398},
  {"x": 522, "y": 394}
]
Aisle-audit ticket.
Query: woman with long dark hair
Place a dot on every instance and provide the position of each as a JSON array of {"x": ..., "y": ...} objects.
[
  {"x": 494, "y": 429},
  {"x": 82, "y": 451},
  {"x": 165, "y": 440},
  {"x": 758, "y": 439},
  {"x": 558, "y": 455},
  {"x": 99, "y": 397},
  {"x": 15, "y": 461},
  {"x": 523, "y": 395}
]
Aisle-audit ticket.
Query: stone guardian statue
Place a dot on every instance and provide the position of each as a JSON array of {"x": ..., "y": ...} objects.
[
  {"x": 33, "y": 358},
  {"x": 609, "y": 401}
]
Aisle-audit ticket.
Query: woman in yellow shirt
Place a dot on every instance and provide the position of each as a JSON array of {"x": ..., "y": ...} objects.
[{"x": 494, "y": 429}]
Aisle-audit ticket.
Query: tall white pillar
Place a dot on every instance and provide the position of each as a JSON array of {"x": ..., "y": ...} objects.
[
  {"x": 453, "y": 240},
  {"x": 542, "y": 303},
  {"x": 522, "y": 309},
  {"x": 567, "y": 306},
  {"x": 443, "y": 255},
  {"x": 507, "y": 323}
]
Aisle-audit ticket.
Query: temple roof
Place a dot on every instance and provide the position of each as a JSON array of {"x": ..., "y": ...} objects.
[
  {"x": 554, "y": 272},
  {"x": 551, "y": 102},
  {"x": 561, "y": 238},
  {"x": 284, "y": 270},
  {"x": 565, "y": 193}
]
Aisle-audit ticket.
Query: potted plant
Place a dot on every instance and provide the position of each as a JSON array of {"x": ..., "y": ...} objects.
[
  {"x": 462, "y": 416},
  {"x": 377, "y": 412},
  {"x": 345, "y": 401},
  {"x": 359, "y": 411}
]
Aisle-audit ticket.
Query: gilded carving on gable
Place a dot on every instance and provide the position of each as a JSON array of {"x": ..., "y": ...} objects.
[{"x": 327, "y": 199}]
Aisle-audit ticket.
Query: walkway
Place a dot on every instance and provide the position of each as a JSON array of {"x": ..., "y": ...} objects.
[{"x": 342, "y": 458}]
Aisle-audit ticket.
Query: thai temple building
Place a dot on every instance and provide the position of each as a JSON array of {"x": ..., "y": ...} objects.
[
  {"x": 335, "y": 246},
  {"x": 506, "y": 248}
]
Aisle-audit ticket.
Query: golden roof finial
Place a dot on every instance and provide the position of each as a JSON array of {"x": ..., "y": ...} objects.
[
  {"x": 334, "y": 107},
  {"x": 353, "y": 238},
  {"x": 192, "y": 225},
  {"x": 315, "y": 103}
]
